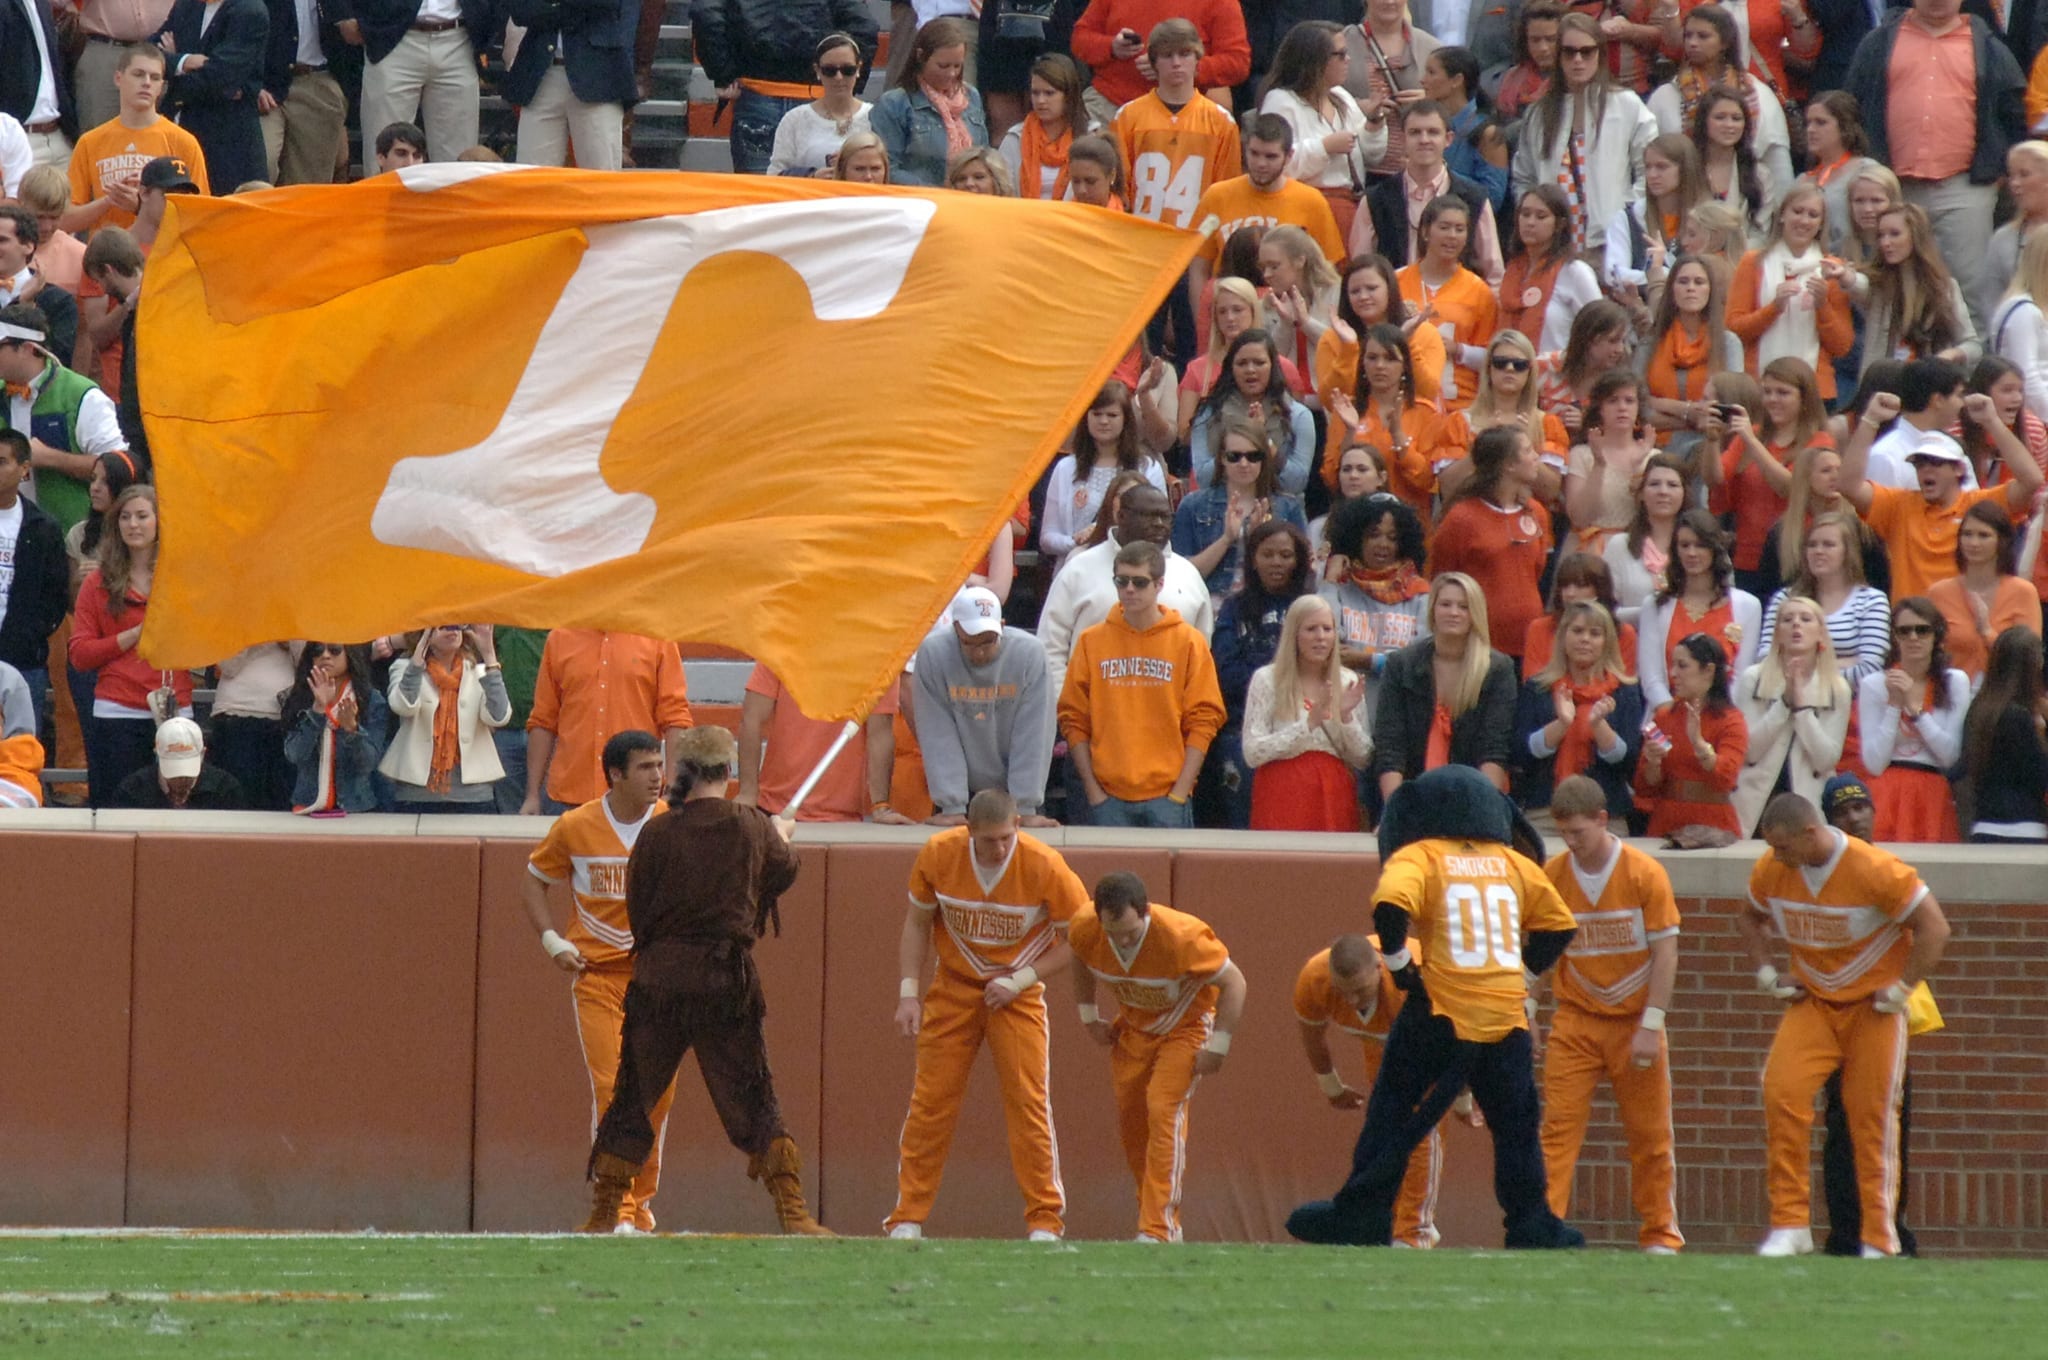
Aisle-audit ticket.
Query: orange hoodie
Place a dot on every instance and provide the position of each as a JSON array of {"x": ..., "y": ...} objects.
[
  {"x": 21, "y": 767},
  {"x": 1152, "y": 696}
]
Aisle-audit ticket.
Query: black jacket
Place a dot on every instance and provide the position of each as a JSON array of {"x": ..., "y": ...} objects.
[
  {"x": 216, "y": 791},
  {"x": 2001, "y": 95},
  {"x": 282, "y": 50},
  {"x": 21, "y": 69},
  {"x": 596, "y": 39},
  {"x": 41, "y": 594},
  {"x": 233, "y": 46},
  {"x": 773, "y": 39},
  {"x": 384, "y": 22},
  {"x": 1387, "y": 201},
  {"x": 1407, "y": 706}
]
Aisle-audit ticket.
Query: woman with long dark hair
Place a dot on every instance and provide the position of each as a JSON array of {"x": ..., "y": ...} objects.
[
  {"x": 1241, "y": 493},
  {"x": 1387, "y": 415},
  {"x": 2005, "y": 755},
  {"x": 1753, "y": 476},
  {"x": 1909, "y": 725},
  {"x": 1686, "y": 346},
  {"x": 1335, "y": 139},
  {"x": 1697, "y": 595},
  {"x": 334, "y": 722},
  {"x": 1036, "y": 149},
  {"x": 1105, "y": 443},
  {"x": 1545, "y": 284},
  {"x": 1499, "y": 534},
  {"x": 930, "y": 114},
  {"x": 1586, "y": 134},
  {"x": 1251, "y": 388},
  {"x": 1369, "y": 294},
  {"x": 1724, "y": 131},
  {"x": 1695, "y": 746},
  {"x": 1711, "y": 47},
  {"x": 1639, "y": 557},
  {"x": 1986, "y": 596},
  {"x": 1599, "y": 342},
  {"x": 1247, "y": 636}
]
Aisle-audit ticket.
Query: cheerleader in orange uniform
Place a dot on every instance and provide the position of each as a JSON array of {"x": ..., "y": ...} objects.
[
  {"x": 1910, "y": 717},
  {"x": 1453, "y": 299},
  {"x": 1695, "y": 747}
]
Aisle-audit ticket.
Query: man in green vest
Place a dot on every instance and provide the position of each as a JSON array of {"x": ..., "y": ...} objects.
[{"x": 68, "y": 420}]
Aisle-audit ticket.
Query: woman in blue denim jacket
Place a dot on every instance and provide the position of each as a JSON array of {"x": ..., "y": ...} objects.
[
  {"x": 931, "y": 114},
  {"x": 1209, "y": 528},
  {"x": 334, "y": 724}
]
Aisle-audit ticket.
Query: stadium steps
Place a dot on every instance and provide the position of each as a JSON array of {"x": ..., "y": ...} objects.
[{"x": 680, "y": 125}]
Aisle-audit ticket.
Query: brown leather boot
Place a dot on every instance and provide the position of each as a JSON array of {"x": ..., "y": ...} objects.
[
  {"x": 780, "y": 1168},
  {"x": 610, "y": 1177}
]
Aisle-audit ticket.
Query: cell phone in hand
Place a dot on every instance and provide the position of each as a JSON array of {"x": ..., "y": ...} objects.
[{"x": 1130, "y": 35}]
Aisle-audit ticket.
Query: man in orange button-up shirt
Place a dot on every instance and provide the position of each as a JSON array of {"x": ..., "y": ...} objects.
[{"x": 591, "y": 686}]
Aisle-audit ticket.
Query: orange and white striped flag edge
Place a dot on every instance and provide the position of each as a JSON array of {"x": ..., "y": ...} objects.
[{"x": 783, "y": 416}]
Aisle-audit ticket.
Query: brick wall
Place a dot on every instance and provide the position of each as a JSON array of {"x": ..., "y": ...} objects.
[{"x": 1979, "y": 1151}]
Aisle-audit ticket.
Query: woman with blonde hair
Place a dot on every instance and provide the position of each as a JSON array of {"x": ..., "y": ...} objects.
[
  {"x": 1581, "y": 714},
  {"x": 1714, "y": 231},
  {"x": 1508, "y": 395},
  {"x": 1642, "y": 238},
  {"x": 980, "y": 171},
  {"x": 1830, "y": 575},
  {"x": 1305, "y": 728},
  {"x": 2019, "y": 327},
  {"x": 1816, "y": 490},
  {"x": 1781, "y": 304},
  {"x": 2026, "y": 179},
  {"x": 1448, "y": 699},
  {"x": 1235, "y": 308},
  {"x": 1301, "y": 291},
  {"x": 863, "y": 159},
  {"x": 1870, "y": 191},
  {"x": 1796, "y": 706},
  {"x": 448, "y": 696},
  {"x": 1913, "y": 307}
]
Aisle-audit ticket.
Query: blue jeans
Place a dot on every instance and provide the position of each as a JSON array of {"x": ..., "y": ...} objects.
[
  {"x": 1159, "y": 814},
  {"x": 511, "y": 744},
  {"x": 754, "y": 120}
]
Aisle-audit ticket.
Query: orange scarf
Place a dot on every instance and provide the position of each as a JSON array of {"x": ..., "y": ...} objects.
[
  {"x": 447, "y": 682},
  {"x": 952, "y": 111},
  {"x": 1040, "y": 151},
  {"x": 1678, "y": 353},
  {"x": 1397, "y": 584},
  {"x": 1575, "y": 753},
  {"x": 1438, "y": 751},
  {"x": 1522, "y": 279}
]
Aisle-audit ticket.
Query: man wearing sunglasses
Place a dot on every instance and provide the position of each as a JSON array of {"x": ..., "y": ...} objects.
[{"x": 1141, "y": 703}]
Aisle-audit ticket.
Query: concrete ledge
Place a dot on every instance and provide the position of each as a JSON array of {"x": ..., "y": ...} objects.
[{"x": 1956, "y": 873}]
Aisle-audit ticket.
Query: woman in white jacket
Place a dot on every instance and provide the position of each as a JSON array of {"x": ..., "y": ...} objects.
[
  {"x": 1587, "y": 135},
  {"x": 2019, "y": 328},
  {"x": 1306, "y": 729},
  {"x": 447, "y": 696},
  {"x": 1797, "y": 707},
  {"x": 1697, "y": 595}
]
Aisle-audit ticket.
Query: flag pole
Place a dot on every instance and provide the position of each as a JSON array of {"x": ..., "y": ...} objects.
[{"x": 846, "y": 734}]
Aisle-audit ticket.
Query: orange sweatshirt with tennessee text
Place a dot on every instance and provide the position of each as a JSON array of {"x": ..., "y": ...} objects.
[{"x": 1141, "y": 699}]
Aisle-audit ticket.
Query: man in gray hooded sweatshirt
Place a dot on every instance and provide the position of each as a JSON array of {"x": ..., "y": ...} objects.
[{"x": 983, "y": 710}]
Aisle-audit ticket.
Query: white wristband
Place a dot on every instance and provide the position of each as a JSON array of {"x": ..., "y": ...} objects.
[
  {"x": 1397, "y": 961},
  {"x": 556, "y": 945},
  {"x": 1089, "y": 1015},
  {"x": 1018, "y": 981},
  {"x": 1332, "y": 1084},
  {"x": 909, "y": 990},
  {"x": 1766, "y": 977},
  {"x": 1653, "y": 1018},
  {"x": 1219, "y": 1043}
]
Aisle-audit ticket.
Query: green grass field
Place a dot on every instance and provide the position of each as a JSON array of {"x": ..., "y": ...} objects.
[{"x": 389, "y": 1298}]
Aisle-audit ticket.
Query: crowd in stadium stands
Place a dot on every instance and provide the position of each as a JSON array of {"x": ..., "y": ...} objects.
[{"x": 1653, "y": 390}]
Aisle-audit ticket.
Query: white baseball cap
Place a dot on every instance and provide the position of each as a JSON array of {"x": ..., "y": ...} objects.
[
  {"x": 976, "y": 611},
  {"x": 180, "y": 749},
  {"x": 1938, "y": 446}
]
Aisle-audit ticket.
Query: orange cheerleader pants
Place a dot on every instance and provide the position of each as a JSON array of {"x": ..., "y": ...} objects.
[
  {"x": 957, "y": 1021},
  {"x": 1583, "y": 1049},
  {"x": 600, "y": 996},
  {"x": 1154, "y": 1076},
  {"x": 1814, "y": 1038}
]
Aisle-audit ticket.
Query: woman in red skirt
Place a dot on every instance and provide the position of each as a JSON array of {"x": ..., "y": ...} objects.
[
  {"x": 1910, "y": 716},
  {"x": 1305, "y": 728},
  {"x": 1695, "y": 745}
]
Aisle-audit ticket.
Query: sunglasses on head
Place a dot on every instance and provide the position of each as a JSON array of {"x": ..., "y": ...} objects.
[
  {"x": 1131, "y": 582},
  {"x": 1240, "y": 456},
  {"x": 1508, "y": 363},
  {"x": 844, "y": 71}
]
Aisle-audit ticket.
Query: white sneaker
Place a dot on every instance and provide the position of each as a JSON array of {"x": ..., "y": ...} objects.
[
  {"x": 1870, "y": 1253},
  {"x": 1787, "y": 1242},
  {"x": 626, "y": 1229},
  {"x": 911, "y": 1232},
  {"x": 1660, "y": 1250},
  {"x": 1042, "y": 1235},
  {"x": 1148, "y": 1240}
]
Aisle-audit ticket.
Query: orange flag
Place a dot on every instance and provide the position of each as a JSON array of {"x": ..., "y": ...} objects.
[{"x": 776, "y": 414}]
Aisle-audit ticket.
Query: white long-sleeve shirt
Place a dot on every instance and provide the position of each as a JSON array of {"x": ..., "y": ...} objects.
[
  {"x": 1934, "y": 739},
  {"x": 1310, "y": 163},
  {"x": 1071, "y": 502},
  {"x": 1860, "y": 631},
  {"x": 1653, "y": 627},
  {"x": 2019, "y": 332},
  {"x": 1270, "y": 736}
]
